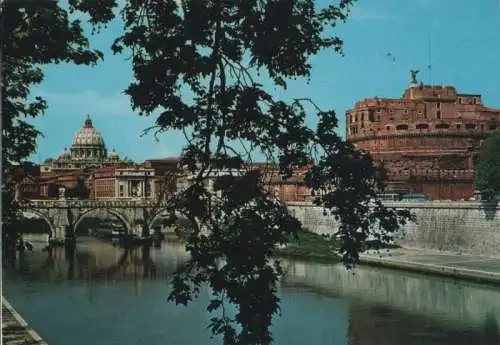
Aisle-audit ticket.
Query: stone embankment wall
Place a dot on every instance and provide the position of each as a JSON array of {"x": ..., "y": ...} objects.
[{"x": 463, "y": 227}]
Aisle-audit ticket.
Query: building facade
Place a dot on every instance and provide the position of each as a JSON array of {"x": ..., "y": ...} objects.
[
  {"x": 103, "y": 182},
  {"x": 135, "y": 183},
  {"x": 428, "y": 140},
  {"x": 51, "y": 183}
]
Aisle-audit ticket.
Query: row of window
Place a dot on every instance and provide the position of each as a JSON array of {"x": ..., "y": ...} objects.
[
  {"x": 421, "y": 126},
  {"x": 105, "y": 188},
  {"x": 370, "y": 116},
  {"x": 468, "y": 100},
  {"x": 469, "y": 126}
]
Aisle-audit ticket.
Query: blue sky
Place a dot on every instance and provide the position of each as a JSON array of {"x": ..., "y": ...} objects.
[{"x": 465, "y": 52}]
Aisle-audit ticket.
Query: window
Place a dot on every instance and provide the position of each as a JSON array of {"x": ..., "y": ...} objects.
[
  {"x": 492, "y": 127},
  {"x": 121, "y": 191},
  {"x": 470, "y": 126},
  {"x": 388, "y": 128},
  {"x": 401, "y": 127},
  {"x": 438, "y": 114},
  {"x": 442, "y": 126},
  {"x": 458, "y": 126},
  {"x": 438, "y": 105},
  {"x": 422, "y": 126}
]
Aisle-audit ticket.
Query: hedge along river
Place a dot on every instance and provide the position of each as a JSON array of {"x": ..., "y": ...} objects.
[{"x": 102, "y": 294}]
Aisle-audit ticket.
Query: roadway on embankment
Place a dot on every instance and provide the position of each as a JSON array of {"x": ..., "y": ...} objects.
[
  {"x": 460, "y": 266},
  {"x": 15, "y": 330}
]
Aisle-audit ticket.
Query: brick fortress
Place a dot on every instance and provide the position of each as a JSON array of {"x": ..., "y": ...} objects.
[{"x": 428, "y": 140}]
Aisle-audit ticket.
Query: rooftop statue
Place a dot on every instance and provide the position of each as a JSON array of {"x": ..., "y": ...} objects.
[{"x": 413, "y": 74}]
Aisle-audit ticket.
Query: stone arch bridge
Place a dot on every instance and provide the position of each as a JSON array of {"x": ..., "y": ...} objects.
[{"x": 55, "y": 213}]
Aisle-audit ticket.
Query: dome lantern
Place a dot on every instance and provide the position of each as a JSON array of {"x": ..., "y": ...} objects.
[{"x": 88, "y": 122}]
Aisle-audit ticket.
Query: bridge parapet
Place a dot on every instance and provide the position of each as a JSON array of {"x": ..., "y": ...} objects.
[{"x": 65, "y": 203}]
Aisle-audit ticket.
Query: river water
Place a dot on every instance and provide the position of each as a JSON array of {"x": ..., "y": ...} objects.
[{"x": 103, "y": 295}]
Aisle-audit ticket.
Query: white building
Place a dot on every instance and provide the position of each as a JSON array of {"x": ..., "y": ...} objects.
[{"x": 134, "y": 183}]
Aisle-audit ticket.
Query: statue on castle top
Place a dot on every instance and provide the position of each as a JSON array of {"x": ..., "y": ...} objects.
[{"x": 413, "y": 74}]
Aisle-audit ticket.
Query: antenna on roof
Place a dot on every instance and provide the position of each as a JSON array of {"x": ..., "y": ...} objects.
[{"x": 429, "y": 66}]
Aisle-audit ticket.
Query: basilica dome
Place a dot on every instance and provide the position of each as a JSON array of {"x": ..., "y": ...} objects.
[
  {"x": 88, "y": 144},
  {"x": 88, "y": 150},
  {"x": 88, "y": 136}
]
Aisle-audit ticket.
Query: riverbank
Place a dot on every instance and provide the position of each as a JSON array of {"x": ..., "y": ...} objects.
[
  {"x": 316, "y": 248},
  {"x": 460, "y": 266},
  {"x": 311, "y": 247},
  {"x": 15, "y": 329}
]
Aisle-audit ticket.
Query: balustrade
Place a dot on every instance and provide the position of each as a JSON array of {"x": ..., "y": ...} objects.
[{"x": 63, "y": 203}]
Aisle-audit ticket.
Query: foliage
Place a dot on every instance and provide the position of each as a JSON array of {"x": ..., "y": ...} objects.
[
  {"x": 488, "y": 166},
  {"x": 214, "y": 49},
  {"x": 311, "y": 246},
  {"x": 52, "y": 190},
  {"x": 166, "y": 186},
  {"x": 34, "y": 34},
  {"x": 80, "y": 190}
]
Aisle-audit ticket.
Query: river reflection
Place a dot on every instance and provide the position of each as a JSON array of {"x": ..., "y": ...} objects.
[{"x": 100, "y": 294}]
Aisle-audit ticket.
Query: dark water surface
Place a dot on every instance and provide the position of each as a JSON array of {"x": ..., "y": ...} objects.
[{"x": 103, "y": 295}]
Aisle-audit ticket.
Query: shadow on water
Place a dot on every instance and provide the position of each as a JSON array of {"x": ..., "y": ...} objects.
[
  {"x": 491, "y": 329},
  {"x": 376, "y": 325}
]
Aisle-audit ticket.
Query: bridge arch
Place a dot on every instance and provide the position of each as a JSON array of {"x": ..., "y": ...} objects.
[
  {"x": 115, "y": 213},
  {"x": 161, "y": 212},
  {"x": 42, "y": 216}
]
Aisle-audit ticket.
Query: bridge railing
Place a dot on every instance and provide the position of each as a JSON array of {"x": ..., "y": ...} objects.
[{"x": 64, "y": 203}]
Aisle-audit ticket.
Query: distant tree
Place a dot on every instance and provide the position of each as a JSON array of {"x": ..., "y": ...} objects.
[
  {"x": 488, "y": 166},
  {"x": 166, "y": 185},
  {"x": 52, "y": 190},
  {"x": 80, "y": 191},
  {"x": 218, "y": 50}
]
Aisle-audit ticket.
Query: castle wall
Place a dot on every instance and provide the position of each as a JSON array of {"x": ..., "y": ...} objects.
[
  {"x": 430, "y": 131},
  {"x": 465, "y": 227}
]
